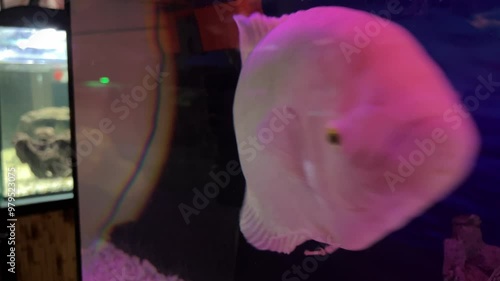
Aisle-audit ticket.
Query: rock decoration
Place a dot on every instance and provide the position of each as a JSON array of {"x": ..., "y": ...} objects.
[
  {"x": 47, "y": 154},
  {"x": 466, "y": 256},
  {"x": 54, "y": 117}
]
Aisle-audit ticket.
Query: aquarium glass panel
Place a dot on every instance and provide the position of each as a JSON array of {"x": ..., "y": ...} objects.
[
  {"x": 292, "y": 140},
  {"x": 35, "y": 115}
]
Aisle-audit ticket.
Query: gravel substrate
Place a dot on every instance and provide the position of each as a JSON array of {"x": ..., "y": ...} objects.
[{"x": 107, "y": 263}]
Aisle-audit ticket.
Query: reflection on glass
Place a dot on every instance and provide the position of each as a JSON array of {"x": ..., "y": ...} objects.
[
  {"x": 52, "y": 4},
  {"x": 14, "y": 3},
  {"x": 34, "y": 112},
  {"x": 49, "y": 4}
]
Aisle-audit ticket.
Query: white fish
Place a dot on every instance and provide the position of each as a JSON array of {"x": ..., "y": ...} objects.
[{"x": 399, "y": 145}]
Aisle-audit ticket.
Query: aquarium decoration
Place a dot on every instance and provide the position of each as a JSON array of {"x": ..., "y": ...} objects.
[
  {"x": 48, "y": 154},
  {"x": 35, "y": 109},
  {"x": 466, "y": 256}
]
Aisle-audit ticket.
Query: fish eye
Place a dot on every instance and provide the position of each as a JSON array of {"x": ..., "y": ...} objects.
[{"x": 333, "y": 136}]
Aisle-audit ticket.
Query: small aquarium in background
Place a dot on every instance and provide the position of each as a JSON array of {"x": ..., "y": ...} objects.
[{"x": 34, "y": 114}]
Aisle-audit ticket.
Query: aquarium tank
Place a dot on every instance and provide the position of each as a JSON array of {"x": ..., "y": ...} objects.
[
  {"x": 34, "y": 115},
  {"x": 265, "y": 140}
]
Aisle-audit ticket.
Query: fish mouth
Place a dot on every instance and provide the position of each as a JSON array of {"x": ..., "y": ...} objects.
[
  {"x": 406, "y": 135},
  {"x": 397, "y": 141},
  {"x": 369, "y": 165}
]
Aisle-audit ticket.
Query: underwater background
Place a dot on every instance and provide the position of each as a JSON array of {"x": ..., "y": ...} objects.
[
  {"x": 463, "y": 37},
  {"x": 416, "y": 252}
]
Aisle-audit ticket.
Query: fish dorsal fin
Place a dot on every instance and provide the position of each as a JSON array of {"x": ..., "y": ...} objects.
[{"x": 252, "y": 29}]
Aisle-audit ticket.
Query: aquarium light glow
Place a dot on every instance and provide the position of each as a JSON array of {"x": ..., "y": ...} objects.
[{"x": 104, "y": 80}]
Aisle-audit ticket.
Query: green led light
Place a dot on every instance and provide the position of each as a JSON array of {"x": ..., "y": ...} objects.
[{"x": 104, "y": 80}]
